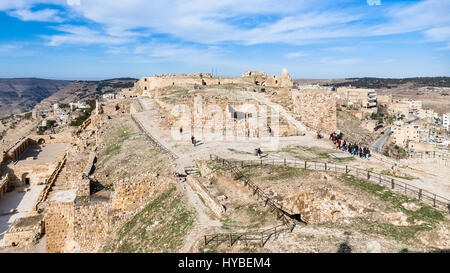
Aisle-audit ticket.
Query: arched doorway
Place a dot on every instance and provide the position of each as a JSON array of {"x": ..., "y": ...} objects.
[
  {"x": 25, "y": 179},
  {"x": 41, "y": 141}
]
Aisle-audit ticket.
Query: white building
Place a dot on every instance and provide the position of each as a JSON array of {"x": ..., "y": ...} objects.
[
  {"x": 446, "y": 121},
  {"x": 415, "y": 105}
]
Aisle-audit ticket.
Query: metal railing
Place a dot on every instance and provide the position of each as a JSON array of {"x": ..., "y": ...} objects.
[
  {"x": 153, "y": 139},
  {"x": 283, "y": 213},
  {"x": 396, "y": 185},
  {"x": 259, "y": 236}
]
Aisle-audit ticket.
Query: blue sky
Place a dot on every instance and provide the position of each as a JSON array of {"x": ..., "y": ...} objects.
[{"x": 97, "y": 39}]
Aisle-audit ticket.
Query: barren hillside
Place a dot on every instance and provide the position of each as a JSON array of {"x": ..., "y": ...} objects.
[{"x": 21, "y": 95}]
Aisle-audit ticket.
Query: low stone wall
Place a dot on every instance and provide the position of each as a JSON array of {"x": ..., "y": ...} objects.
[
  {"x": 130, "y": 194},
  {"x": 209, "y": 199},
  {"x": 24, "y": 231}
]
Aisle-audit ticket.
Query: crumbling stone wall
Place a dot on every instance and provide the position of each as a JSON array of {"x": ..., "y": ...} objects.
[
  {"x": 38, "y": 173},
  {"x": 16, "y": 151},
  {"x": 24, "y": 231},
  {"x": 209, "y": 199},
  {"x": 316, "y": 108},
  {"x": 147, "y": 84},
  {"x": 92, "y": 224},
  {"x": 133, "y": 192},
  {"x": 59, "y": 226}
]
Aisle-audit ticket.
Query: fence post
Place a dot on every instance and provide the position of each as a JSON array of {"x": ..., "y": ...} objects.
[
  {"x": 242, "y": 164},
  {"x": 231, "y": 239},
  {"x": 305, "y": 164},
  {"x": 205, "y": 241},
  {"x": 434, "y": 201},
  {"x": 420, "y": 194},
  {"x": 325, "y": 166},
  {"x": 368, "y": 175},
  {"x": 346, "y": 169},
  {"x": 285, "y": 162},
  {"x": 392, "y": 182},
  {"x": 405, "y": 187}
]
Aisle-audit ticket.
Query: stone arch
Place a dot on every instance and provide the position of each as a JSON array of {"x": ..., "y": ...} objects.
[{"x": 25, "y": 179}]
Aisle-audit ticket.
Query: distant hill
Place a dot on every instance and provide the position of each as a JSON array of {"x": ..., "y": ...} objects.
[
  {"x": 23, "y": 94},
  {"x": 386, "y": 83}
]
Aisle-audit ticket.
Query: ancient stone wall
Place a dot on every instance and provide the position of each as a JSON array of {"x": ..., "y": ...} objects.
[
  {"x": 24, "y": 231},
  {"x": 130, "y": 194},
  {"x": 209, "y": 199},
  {"x": 53, "y": 138},
  {"x": 316, "y": 108},
  {"x": 83, "y": 188},
  {"x": 37, "y": 173},
  {"x": 15, "y": 151},
  {"x": 92, "y": 224},
  {"x": 147, "y": 84},
  {"x": 59, "y": 226}
]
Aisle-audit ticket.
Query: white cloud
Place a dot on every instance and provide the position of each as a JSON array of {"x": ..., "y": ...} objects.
[
  {"x": 343, "y": 48},
  {"x": 438, "y": 34},
  {"x": 81, "y": 35},
  {"x": 294, "y": 22},
  {"x": 344, "y": 61},
  {"x": 374, "y": 2},
  {"x": 291, "y": 55},
  {"x": 44, "y": 15},
  {"x": 73, "y": 2}
]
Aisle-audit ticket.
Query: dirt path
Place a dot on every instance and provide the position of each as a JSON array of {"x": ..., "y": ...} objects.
[
  {"x": 204, "y": 222},
  {"x": 184, "y": 160}
]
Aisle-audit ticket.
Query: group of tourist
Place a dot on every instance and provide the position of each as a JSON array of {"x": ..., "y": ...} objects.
[{"x": 353, "y": 148}]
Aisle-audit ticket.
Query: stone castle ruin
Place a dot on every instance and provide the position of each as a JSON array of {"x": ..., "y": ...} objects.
[
  {"x": 57, "y": 169},
  {"x": 147, "y": 84}
]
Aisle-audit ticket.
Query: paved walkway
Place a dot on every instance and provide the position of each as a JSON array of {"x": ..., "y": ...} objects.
[{"x": 19, "y": 200}]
